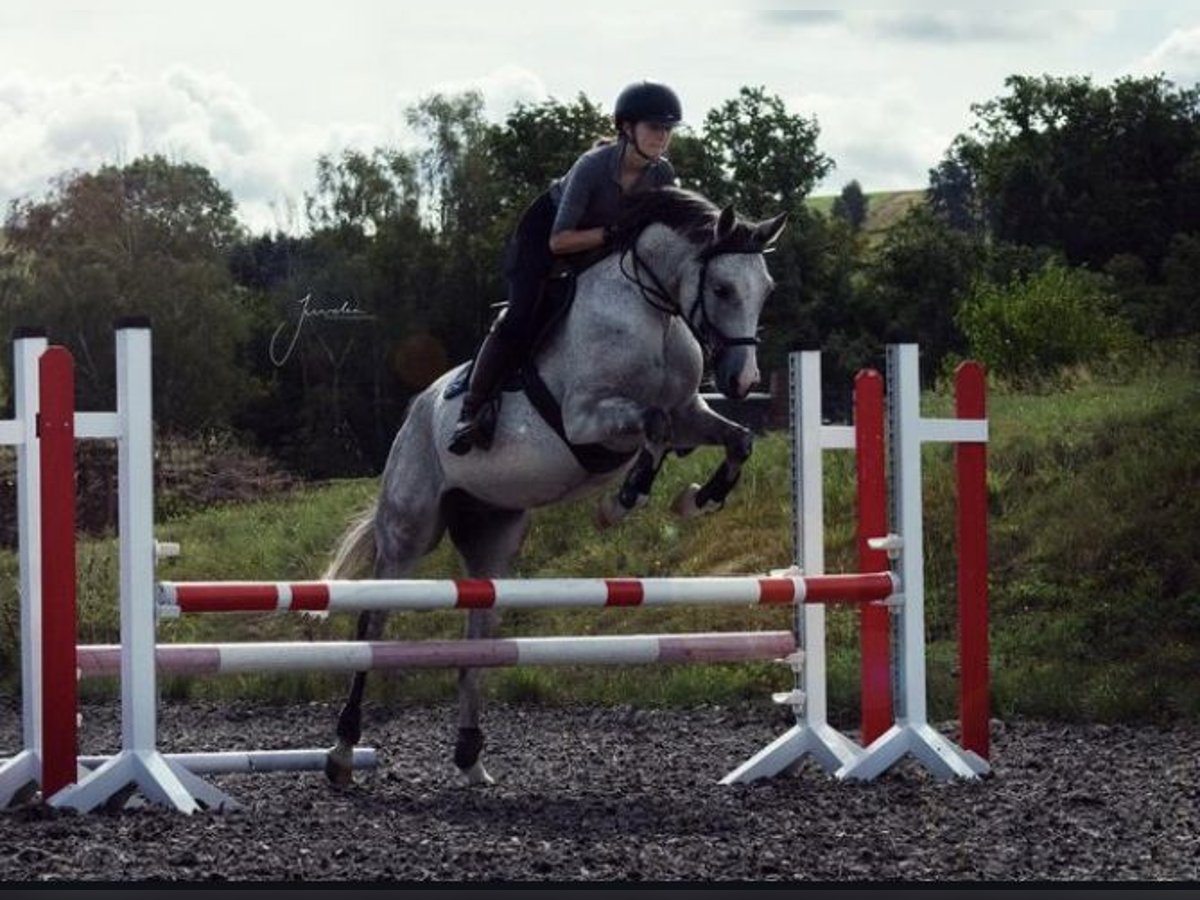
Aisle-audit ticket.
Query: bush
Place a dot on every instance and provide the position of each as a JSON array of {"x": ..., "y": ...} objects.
[{"x": 1035, "y": 327}]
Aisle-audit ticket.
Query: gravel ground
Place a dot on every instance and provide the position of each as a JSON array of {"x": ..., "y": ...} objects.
[{"x": 629, "y": 796}]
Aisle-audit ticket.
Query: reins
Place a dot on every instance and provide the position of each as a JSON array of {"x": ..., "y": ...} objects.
[{"x": 710, "y": 337}]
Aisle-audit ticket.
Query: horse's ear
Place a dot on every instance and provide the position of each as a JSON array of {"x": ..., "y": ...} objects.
[
  {"x": 766, "y": 232},
  {"x": 726, "y": 222}
]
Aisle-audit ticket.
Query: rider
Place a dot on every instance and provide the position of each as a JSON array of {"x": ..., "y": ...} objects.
[{"x": 578, "y": 213}]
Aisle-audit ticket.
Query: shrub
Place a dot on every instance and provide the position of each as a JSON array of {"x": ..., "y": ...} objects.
[{"x": 1033, "y": 328}]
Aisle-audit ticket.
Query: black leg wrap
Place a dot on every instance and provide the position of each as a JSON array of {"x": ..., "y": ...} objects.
[
  {"x": 717, "y": 488},
  {"x": 639, "y": 481},
  {"x": 349, "y": 725},
  {"x": 468, "y": 747}
]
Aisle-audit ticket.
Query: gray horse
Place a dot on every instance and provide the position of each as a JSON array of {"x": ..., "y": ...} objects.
[{"x": 623, "y": 372}]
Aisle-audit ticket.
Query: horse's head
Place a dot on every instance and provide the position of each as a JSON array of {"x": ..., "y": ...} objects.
[
  {"x": 731, "y": 285},
  {"x": 721, "y": 280}
]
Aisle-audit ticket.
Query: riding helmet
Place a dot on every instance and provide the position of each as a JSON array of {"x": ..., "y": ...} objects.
[{"x": 648, "y": 101}]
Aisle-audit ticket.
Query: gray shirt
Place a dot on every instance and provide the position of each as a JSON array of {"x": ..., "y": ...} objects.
[{"x": 589, "y": 195}]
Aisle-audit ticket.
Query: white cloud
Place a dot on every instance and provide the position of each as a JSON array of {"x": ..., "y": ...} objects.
[
  {"x": 187, "y": 115},
  {"x": 881, "y": 140},
  {"x": 502, "y": 89},
  {"x": 948, "y": 26},
  {"x": 1178, "y": 57}
]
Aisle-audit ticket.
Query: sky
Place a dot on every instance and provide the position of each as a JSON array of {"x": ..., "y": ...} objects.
[{"x": 256, "y": 90}]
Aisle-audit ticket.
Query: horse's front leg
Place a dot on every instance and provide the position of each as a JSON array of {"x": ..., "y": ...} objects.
[
  {"x": 635, "y": 491},
  {"x": 697, "y": 424}
]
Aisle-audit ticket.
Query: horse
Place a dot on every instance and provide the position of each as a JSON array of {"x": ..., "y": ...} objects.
[{"x": 685, "y": 286}]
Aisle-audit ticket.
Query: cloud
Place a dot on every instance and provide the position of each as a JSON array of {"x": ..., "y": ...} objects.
[
  {"x": 947, "y": 26},
  {"x": 878, "y": 140},
  {"x": 1177, "y": 57},
  {"x": 52, "y": 127},
  {"x": 502, "y": 89}
]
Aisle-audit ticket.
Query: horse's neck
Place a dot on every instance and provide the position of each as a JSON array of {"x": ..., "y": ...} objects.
[{"x": 614, "y": 328}]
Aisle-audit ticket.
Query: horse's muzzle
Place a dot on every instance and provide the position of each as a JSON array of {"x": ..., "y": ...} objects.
[{"x": 737, "y": 371}]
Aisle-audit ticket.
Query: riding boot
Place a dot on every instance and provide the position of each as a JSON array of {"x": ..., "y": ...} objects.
[{"x": 477, "y": 420}]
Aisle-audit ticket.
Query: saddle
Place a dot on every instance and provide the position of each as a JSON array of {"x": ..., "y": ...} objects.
[{"x": 554, "y": 303}]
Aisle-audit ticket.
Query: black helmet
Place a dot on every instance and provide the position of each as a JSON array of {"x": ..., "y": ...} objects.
[{"x": 647, "y": 101}]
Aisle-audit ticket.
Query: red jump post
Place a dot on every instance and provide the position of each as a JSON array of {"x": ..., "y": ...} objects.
[{"x": 56, "y": 433}]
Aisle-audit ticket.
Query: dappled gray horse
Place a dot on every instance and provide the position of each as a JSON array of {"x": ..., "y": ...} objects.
[{"x": 625, "y": 368}]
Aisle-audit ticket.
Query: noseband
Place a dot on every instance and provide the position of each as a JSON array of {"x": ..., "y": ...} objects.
[{"x": 713, "y": 341}]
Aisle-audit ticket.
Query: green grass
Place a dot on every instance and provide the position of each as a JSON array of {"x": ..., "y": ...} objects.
[{"x": 1094, "y": 494}]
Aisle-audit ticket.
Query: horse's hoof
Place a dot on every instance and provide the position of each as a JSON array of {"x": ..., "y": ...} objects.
[
  {"x": 477, "y": 774},
  {"x": 609, "y": 512},
  {"x": 685, "y": 505},
  {"x": 339, "y": 766}
]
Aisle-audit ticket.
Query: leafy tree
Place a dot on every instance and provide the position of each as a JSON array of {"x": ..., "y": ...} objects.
[
  {"x": 1093, "y": 172},
  {"x": 361, "y": 191},
  {"x": 538, "y": 143},
  {"x": 767, "y": 157},
  {"x": 1033, "y": 328},
  {"x": 918, "y": 277},
  {"x": 851, "y": 206},
  {"x": 952, "y": 193},
  {"x": 150, "y": 238}
]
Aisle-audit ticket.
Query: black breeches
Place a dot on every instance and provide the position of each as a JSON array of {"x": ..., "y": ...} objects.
[{"x": 527, "y": 263}]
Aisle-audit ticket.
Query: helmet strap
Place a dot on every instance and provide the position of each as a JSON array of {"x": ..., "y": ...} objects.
[{"x": 632, "y": 141}]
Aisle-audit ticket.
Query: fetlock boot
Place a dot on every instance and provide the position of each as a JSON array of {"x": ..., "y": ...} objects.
[{"x": 477, "y": 419}]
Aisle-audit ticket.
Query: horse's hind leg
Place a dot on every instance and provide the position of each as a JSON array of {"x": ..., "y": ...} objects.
[
  {"x": 488, "y": 539},
  {"x": 339, "y": 761},
  {"x": 407, "y": 525}
]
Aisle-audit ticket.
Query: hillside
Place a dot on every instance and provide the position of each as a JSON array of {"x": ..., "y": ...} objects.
[{"x": 884, "y": 208}]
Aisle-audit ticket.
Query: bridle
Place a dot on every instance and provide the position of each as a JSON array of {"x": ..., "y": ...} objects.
[{"x": 713, "y": 341}]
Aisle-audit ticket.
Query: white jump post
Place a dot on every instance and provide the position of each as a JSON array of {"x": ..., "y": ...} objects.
[
  {"x": 21, "y": 775},
  {"x": 912, "y": 733},
  {"x": 139, "y": 764}
]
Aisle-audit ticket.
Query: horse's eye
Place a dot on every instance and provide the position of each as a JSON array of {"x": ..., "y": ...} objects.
[{"x": 722, "y": 292}]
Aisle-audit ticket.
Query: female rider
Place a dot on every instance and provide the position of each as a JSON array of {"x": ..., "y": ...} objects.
[{"x": 576, "y": 214}]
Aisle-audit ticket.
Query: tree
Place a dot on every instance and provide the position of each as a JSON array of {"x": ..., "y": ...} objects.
[
  {"x": 1091, "y": 171},
  {"x": 767, "y": 158},
  {"x": 538, "y": 143},
  {"x": 150, "y": 238},
  {"x": 952, "y": 193},
  {"x": 851, "y": 206}
]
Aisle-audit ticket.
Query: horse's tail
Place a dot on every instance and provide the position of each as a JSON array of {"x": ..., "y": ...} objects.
[{"x": 355, "y": 555}]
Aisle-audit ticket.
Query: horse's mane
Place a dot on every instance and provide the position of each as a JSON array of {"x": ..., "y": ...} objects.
[{"x": 688, "y": 213}]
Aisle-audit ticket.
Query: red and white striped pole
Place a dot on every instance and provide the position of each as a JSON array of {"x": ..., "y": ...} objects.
[
  {"x": 970, "y": 392},
  {"x": 874, "y": 621},
  {"x": 426, "y": 594},
  {"x": 56, "y": 434}
]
